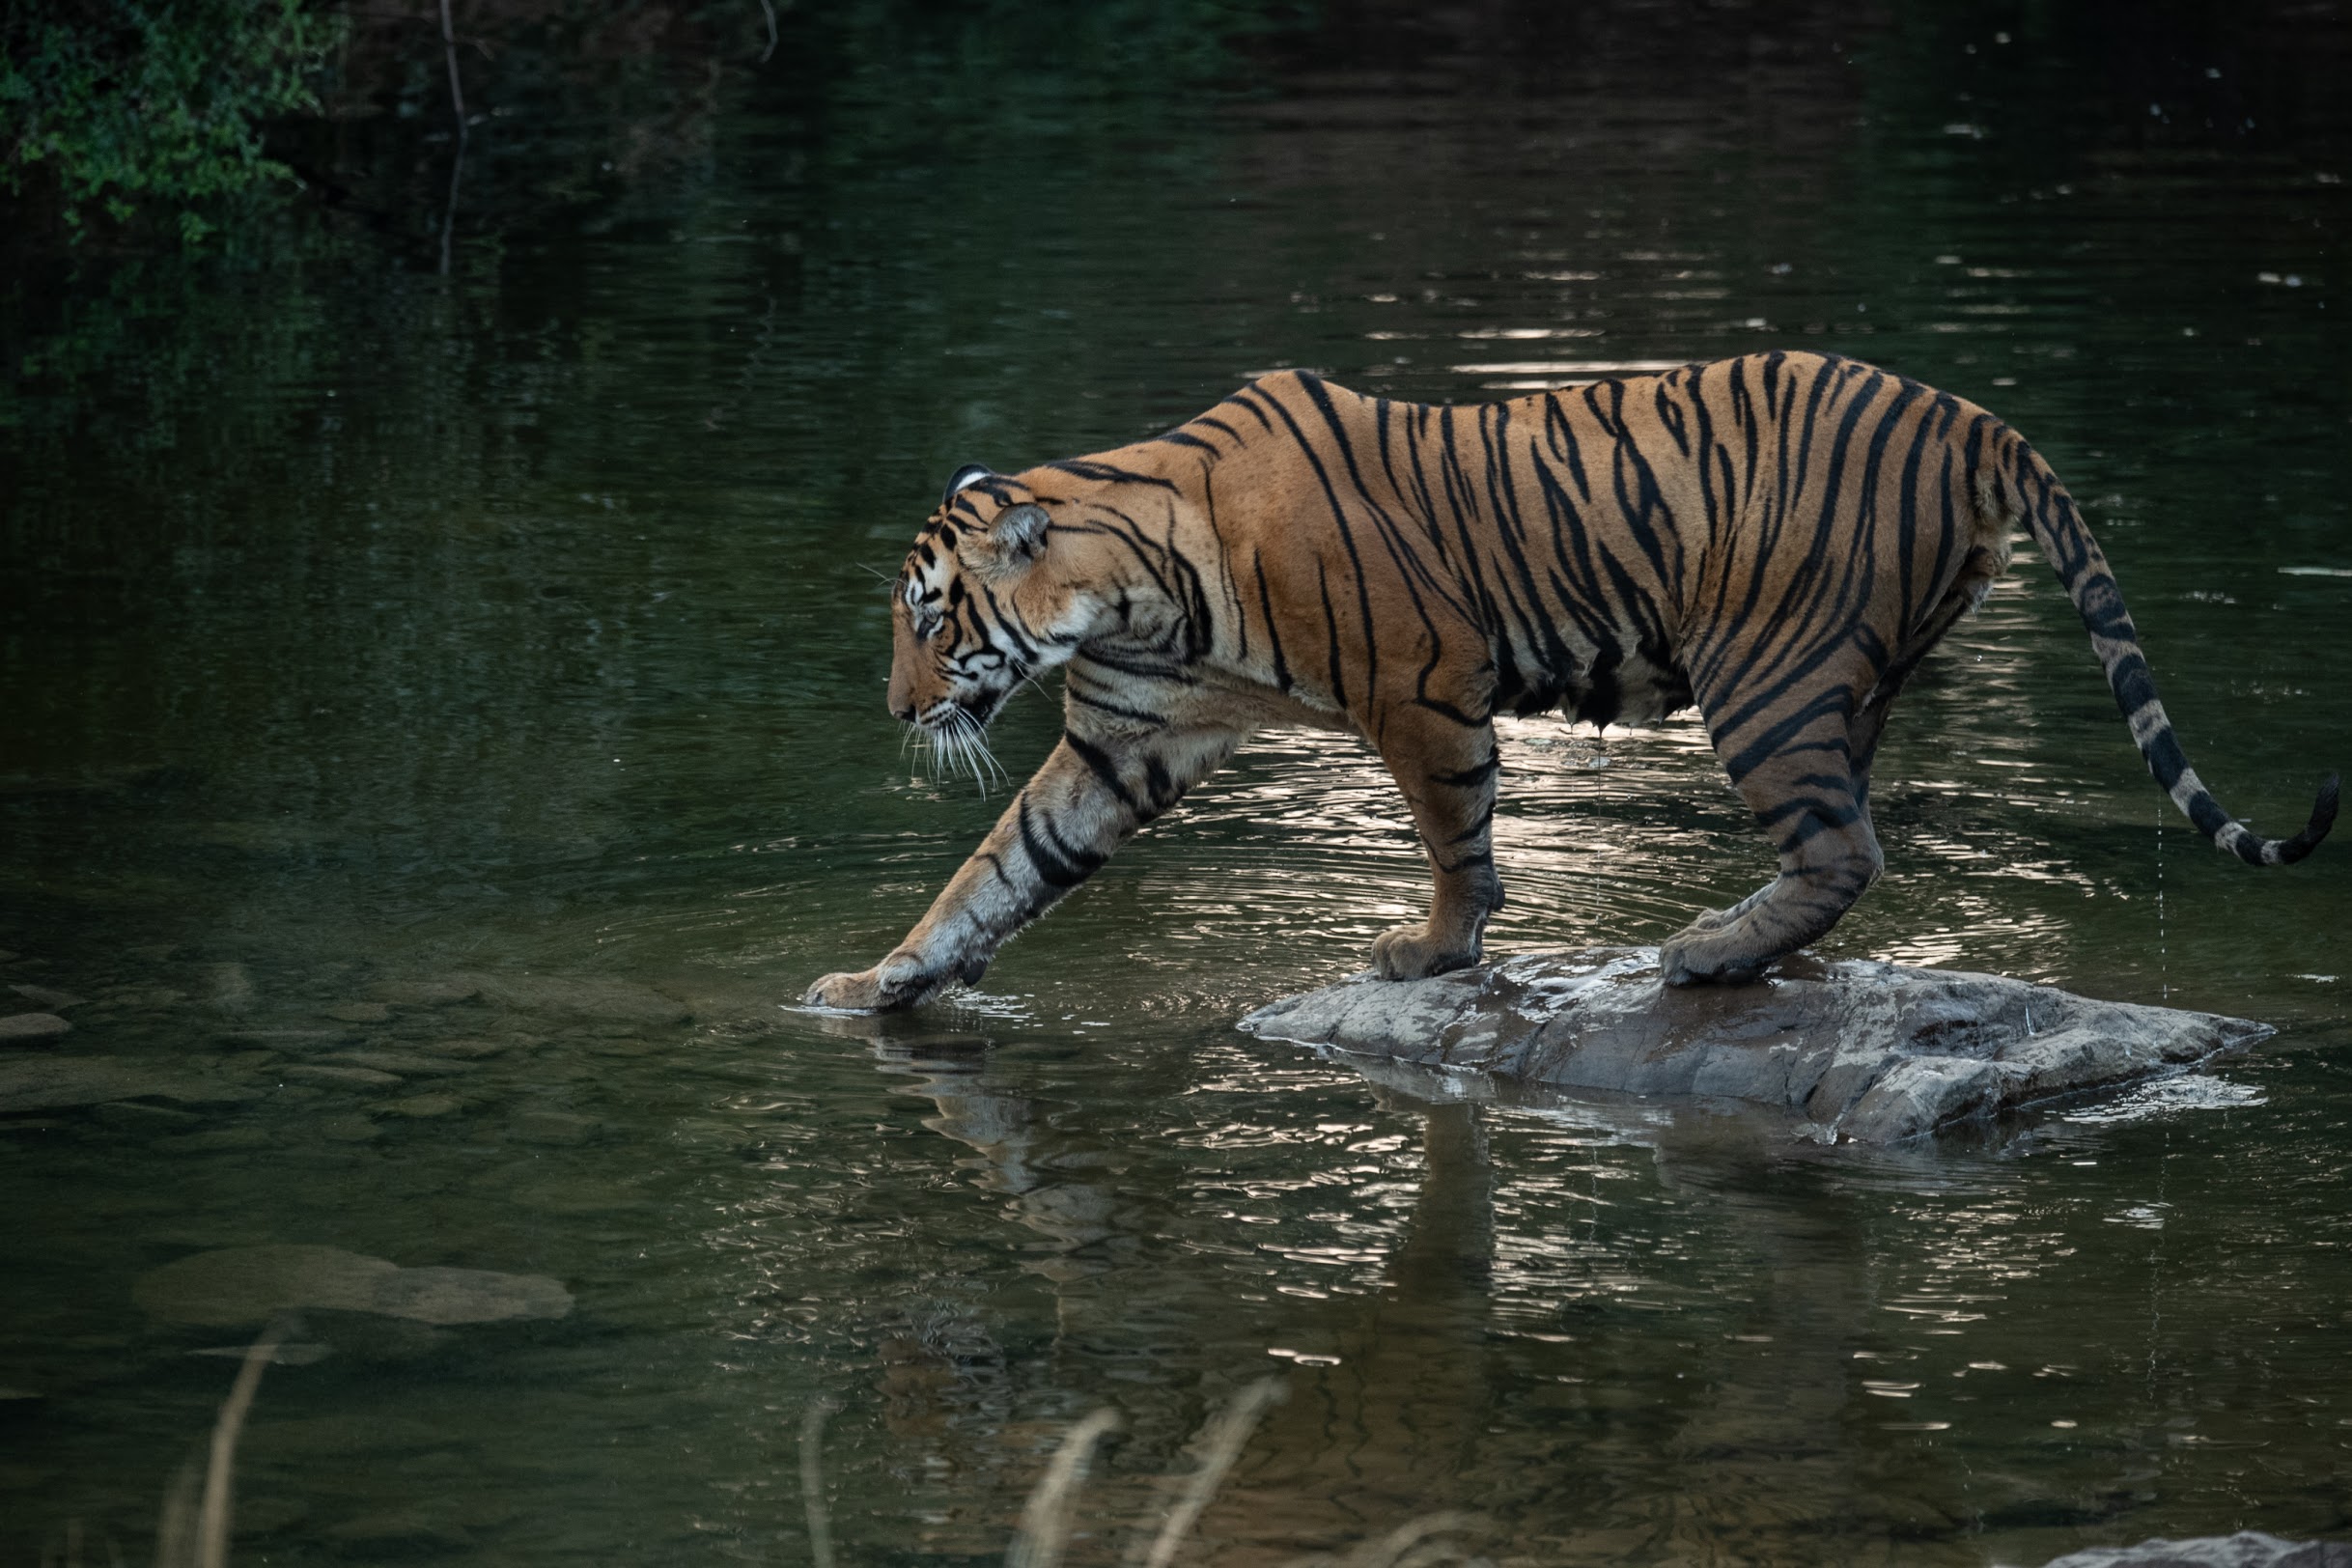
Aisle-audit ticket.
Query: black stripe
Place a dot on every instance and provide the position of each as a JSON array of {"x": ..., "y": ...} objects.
[
  {"x": 1058, "y": 864},
  {"x": 1106, "y": 474},
  {"x": 1098, "y": 762}
]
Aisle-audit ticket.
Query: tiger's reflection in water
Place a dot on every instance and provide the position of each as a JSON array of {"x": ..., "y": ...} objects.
[{"x": 1746, "y": 1451}]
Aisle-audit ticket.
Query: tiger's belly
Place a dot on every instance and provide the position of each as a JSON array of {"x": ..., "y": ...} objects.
[
  {"x": 1635, "y": 687},
  {"x": 1637, "y": 692}
]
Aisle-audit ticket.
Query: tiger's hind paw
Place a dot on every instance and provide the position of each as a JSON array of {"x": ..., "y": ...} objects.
[
  {"x": 1411, "y": 953},
  {"x": 1697, "y": 956}
]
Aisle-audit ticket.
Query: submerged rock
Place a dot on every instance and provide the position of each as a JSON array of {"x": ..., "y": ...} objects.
[
  {"x": 23, "y": 1028},
  {"x": 242, "y": 1286},
  {"x": 398, "y": 1062},
  {"x": 2247, "y": 1548},
  {"x": 132, "y": 1113},
  {"x": 52, "y": 1082},
  {"x": 330, "y": 1077},
  {"x": 1862, "y": 1051}
]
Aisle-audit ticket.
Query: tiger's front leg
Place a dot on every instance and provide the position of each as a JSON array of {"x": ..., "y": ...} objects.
[
  {"x": 1446, "y": 769},
  {"x": 1090, "y": 797}
]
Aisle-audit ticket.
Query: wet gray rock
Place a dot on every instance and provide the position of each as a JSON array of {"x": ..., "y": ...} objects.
[
  {"x": 31, "y": 1029},
  {"x": 244, "y": 1286},
  {"x": 1855, "y": 1050},
  {"x": 580, "y": 996},
  {"x": 55, "y": 1001},
  {"x": 2247, "y": 1549},
  {"x": 54, "y": 1082}
]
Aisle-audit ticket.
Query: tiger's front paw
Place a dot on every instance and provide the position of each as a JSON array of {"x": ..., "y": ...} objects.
[
  {"x": 859, "y": 992},
  {"x": 1412, "y": 953},
  {"x": 892, "y": 984}
]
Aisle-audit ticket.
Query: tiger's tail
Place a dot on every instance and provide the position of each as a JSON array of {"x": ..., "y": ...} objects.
[{"x": 2049, "y": 513}]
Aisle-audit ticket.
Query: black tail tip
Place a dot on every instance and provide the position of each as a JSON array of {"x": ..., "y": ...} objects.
[{"x": 2323, "y": 818}]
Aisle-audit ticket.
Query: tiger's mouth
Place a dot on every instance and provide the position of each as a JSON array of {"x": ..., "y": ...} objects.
[
  {"x": 955, "y": 732},
  {"x": 974, "y": 710}
]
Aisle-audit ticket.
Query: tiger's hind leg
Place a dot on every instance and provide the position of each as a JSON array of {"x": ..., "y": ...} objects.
[
  {"x": 1862, "y": 748},
  {"x": 1809, "y": 798},
  {"x": 1813, "y": 795}
]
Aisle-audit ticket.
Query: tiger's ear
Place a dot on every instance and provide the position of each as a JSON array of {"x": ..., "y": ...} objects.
[
  {"x": 964, "y": 476},
  {"x": 1017, "y": 536}
]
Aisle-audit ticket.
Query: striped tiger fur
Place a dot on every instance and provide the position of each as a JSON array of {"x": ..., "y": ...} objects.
[{"x": 1779, "y": 538}]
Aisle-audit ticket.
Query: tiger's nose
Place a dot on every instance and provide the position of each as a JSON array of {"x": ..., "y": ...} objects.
[{"x": 903, "y": 711}]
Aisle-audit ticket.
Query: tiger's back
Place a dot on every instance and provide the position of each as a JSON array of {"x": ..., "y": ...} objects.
[{"x": 1621, "y": 548}]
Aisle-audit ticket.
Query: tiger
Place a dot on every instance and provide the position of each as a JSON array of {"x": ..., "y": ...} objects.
[{"x": 1777, "y": 539}]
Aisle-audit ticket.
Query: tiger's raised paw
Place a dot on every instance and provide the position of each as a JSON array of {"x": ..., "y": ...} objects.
[{"x": 1410, "y": 953}]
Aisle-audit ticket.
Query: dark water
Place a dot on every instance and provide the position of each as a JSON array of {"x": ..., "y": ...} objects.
[{"x": 366, "y": 627}]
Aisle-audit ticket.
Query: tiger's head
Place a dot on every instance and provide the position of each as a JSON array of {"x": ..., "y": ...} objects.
[{"x": 980, "y": 606}]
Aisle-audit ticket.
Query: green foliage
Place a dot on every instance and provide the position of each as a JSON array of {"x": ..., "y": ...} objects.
[{"x": 150, "y": 108}]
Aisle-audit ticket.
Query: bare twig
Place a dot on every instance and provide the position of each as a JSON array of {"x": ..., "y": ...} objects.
[
  {"x": 457, "y": 89},
  {"x": 1399, "y": 1545},
  {"x": 193, "y": 1533},
  {"x": 176, "y": 1529},
  {"x": 457, "y": 102},
  {"x": 221, "y": 1475},
  {"x": 1045, "y": 1520},
  {"x": 1221, "y": 1442},
  {"x": 812, "y": 1480}
]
